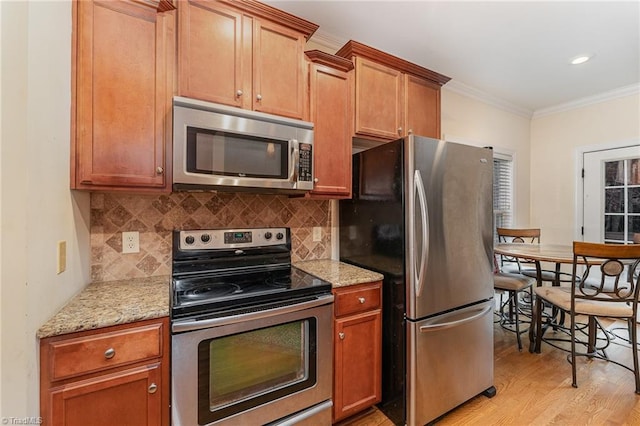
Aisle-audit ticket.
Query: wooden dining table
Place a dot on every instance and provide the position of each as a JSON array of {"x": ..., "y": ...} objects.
[{"x": 554, "y": 253}]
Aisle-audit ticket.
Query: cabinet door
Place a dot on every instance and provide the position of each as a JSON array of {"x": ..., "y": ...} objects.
[
  {"x": 378, "y": 100},
  {"x": 357, "y": 370},
  {"x": 330, "y": 108},
  {"x": 130, "y": 397},
  {"x": 123, "y": 66},
  {"x": 279, "y": 71},
  {"x": 215, "y": 53},
  {"x": 422, "y": 107}
]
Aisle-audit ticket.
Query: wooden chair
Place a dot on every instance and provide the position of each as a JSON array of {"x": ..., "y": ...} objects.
[
  {"x": 515, "y": 280},
  {"x": 614, "y": 267},
  {"x": 513, "y": 284},
  {"x": 513, "y": 235}
]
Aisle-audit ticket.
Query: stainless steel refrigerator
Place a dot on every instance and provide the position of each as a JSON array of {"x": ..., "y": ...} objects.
[{"x": 422, "y": 215}]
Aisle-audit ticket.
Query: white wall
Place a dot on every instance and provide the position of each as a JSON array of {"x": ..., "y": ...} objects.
[
  {"x": 465, "y": 119},
  {"x": 555, "y": 139},
  {"x": 37, "y": 209}
]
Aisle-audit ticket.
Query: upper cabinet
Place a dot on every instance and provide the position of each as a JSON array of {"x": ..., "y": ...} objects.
[
  {"x": 244, "y": 54},
  {"x": 392, "y": 97},
  {"x": 330, "y": 111},
  {"x": 122, "y": 84}
]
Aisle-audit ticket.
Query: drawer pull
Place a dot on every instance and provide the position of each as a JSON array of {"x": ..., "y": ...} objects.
[
  {"x": 361, "y": 299},
  {"x": 153, "y": 388},
  {"x": 109, "y": 353},
  {"x": 341, "y": 336}
]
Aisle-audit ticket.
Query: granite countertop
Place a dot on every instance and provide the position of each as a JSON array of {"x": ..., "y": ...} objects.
[
  {"x": 337, "y": 273},
  {"x": 103, "y": 304}
]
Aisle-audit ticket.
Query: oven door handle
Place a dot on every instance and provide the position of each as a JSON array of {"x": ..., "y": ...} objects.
[{"x": 192, "y": 325}]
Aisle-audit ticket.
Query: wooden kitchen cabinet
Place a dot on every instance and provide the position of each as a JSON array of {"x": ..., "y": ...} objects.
[
  {"x": 244, "y": 54},
  {"x": 111, "y": 376},
  {"x": 392, "y": 97},
  {"x": 330, "y": 112},
  {"x": 357, "y": 381},
  {"x": 122, "y": 85}
]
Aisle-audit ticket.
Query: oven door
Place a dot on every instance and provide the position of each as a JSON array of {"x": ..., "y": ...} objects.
[{"x": 253, "y": 368}]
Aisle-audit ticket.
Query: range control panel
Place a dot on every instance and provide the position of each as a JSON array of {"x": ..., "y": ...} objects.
[{"x": 232, "y": 238}]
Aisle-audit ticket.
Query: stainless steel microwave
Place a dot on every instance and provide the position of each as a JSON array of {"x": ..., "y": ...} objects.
[{"x": 217, "y": 147}]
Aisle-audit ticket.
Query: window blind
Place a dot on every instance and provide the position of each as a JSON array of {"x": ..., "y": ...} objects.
[{"x": 502, "y": 190}]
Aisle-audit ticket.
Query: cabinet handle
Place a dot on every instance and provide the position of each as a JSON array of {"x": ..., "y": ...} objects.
[
  {"x": 239, "y": 93},
  {"x": 361, "y": 299},
  {"x": 109, "y": 353},
  {"x": 153, "y": 388},
  {"x": 400, "y": 130},
  {"x": 315, "y": 180},
  {"x": 341, "y": 336},
  {"x": 159, "y": 170},
  {"x": 259, "y": 97},
  {"x": 410, "y": 132}
]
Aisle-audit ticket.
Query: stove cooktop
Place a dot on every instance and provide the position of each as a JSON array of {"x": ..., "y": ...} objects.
[
  {"x": 208, "y": 293},
  {"x": 223, "y": 270}
]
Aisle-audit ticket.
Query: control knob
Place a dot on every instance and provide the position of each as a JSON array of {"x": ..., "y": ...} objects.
[
  {"x": 267, "y": 235},
  {"x": 205, "y": 238},
  {"x": 190, "y": 239},
  {"x": 279, "y": 236}
]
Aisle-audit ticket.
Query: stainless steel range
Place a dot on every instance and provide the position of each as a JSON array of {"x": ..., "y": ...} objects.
[{"x": 251, "y": 334}]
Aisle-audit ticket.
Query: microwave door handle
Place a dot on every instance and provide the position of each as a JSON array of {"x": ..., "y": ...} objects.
[{"x": 295, "y": 156}]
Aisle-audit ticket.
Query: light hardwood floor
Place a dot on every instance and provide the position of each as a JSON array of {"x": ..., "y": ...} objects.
[{"x": 535, "y": 389}]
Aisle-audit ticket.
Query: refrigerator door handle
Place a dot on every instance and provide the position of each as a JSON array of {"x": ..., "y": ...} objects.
[
  {"x": 424, "y": 217},
  {"x": 442, "y": 326}
]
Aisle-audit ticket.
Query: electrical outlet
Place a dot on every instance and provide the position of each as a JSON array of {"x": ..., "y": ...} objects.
[
  {"x": 131, "y": 242},
  {"x": 317, "y": 234},
  {"x": 61, "y": 263}
]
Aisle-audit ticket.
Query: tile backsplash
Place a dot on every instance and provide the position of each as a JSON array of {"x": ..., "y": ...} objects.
[{"x": 155, "y": 217}]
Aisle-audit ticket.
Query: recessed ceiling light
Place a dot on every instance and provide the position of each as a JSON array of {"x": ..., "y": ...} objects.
[{"x": 580, "y": 60}]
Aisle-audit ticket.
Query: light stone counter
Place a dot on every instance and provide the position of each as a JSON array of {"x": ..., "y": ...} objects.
[
  {"x": 103, "y": 304},
  {"x": 337, "y": 273}
]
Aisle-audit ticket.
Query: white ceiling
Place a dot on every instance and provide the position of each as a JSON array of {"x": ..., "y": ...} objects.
[{"x": 516, "y": 52}]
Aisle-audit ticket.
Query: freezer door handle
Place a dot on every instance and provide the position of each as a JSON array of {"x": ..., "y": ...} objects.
[
  {"x": 424, "y": 217},
  {"x": 445, "y": 325}
]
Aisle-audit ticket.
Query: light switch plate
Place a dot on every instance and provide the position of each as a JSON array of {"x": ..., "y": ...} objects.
[
  {"x": 131, "y": 242},
  {"x": 61, "y": 257}
]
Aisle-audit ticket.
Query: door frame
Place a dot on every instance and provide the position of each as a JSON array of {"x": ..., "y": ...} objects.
[{"x": 579, "y": 193}]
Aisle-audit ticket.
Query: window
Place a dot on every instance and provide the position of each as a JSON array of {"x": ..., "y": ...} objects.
[
  {"x": 622, "y": 200},
  {"x": 502, "y": 190}
]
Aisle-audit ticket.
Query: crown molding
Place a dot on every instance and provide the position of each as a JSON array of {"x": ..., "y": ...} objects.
[
  {"x": 328, "y": 41},
  {"x": 479, "y": 95},
  {"x": 620, "y": 92}
]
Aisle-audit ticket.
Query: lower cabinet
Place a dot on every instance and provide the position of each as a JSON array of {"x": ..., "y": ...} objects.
[
  {"x": 357, "y": 349},
  {"x": 111, "y": 376}
]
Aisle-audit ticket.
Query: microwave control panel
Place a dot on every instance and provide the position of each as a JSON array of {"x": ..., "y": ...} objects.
[{"x": 304, "y": 168}]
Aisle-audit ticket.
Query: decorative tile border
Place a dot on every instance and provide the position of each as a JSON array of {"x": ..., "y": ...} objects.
[{"x": 155, "y": 217}]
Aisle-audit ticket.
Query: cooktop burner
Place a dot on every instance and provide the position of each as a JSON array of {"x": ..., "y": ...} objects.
[
  {"x": 282, "y": 282},
  {"x": 211, "y": 291}
]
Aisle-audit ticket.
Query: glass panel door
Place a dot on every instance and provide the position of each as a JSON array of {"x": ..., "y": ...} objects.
[
  {"x": 611, "y": 197},
  {"x": 622, "y": 200}
]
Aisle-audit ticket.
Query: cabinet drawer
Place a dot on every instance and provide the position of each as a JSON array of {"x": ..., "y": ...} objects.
[
  {"x": 359, "y": 298},
  {"x": 100, "y": 351}
]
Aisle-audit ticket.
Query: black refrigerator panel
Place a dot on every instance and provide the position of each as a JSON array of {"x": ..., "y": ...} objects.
[{"x": 372, "y": 231}]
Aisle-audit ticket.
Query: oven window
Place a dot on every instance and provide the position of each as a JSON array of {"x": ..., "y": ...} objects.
[
  {"x": 247, "y": 369},
  {"x": 228, "y": 154}
]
